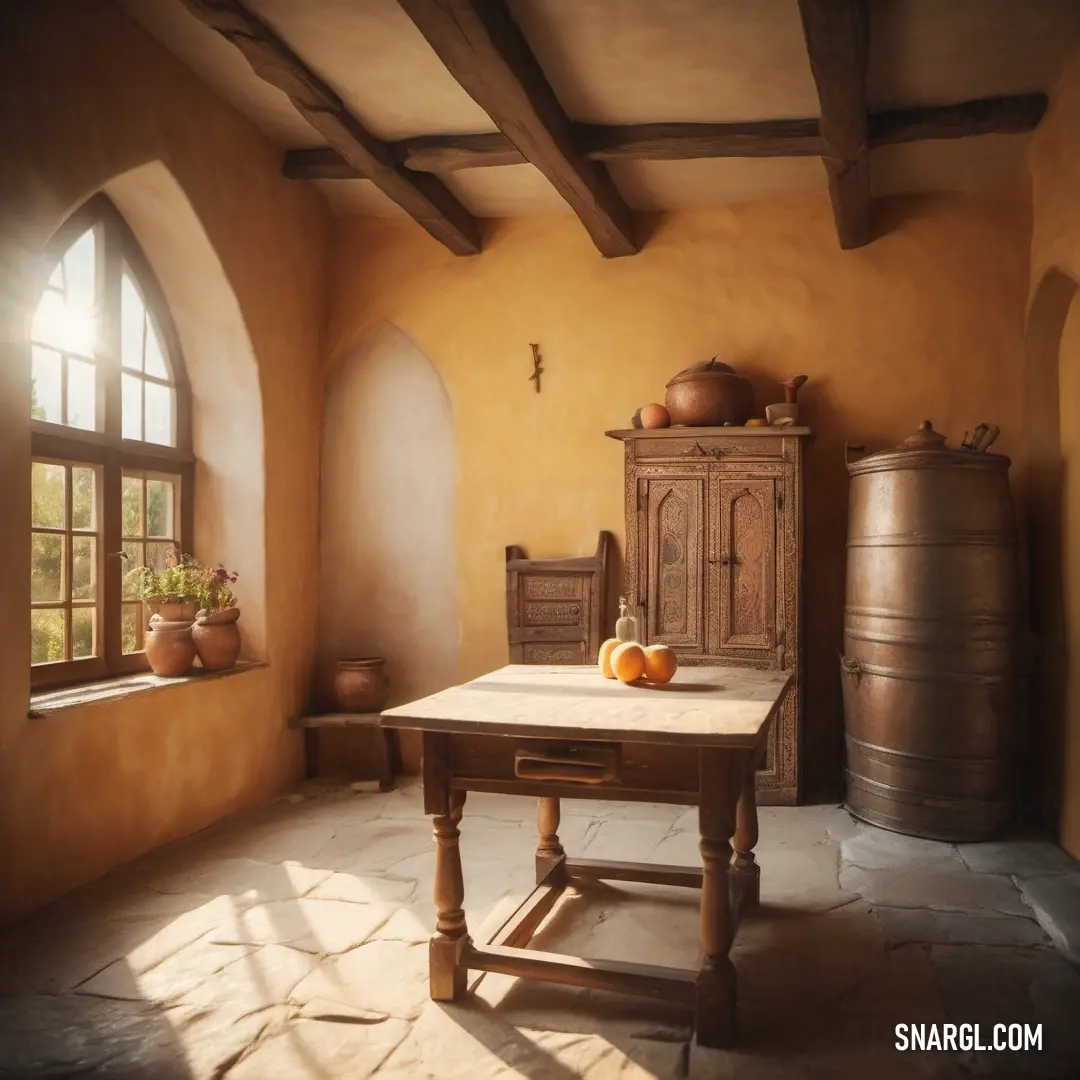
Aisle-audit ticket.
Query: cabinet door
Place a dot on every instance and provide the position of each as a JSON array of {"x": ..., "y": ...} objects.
[
  {"x": 672, "y": 537},
  {"x": 742, "y": 558}
]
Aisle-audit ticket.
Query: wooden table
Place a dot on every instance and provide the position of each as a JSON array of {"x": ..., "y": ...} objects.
[{"x": 556, "y": 732}]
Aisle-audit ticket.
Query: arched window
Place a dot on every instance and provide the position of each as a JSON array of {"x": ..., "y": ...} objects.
[{"x": 112, "y": 469}]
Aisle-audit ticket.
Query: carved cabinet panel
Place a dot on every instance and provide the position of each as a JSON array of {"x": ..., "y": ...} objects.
[
  {"x": 671, "y": 519},
  {"x": 714, "y": 560},
  {"x": 743, "y": 552},
  {"x": 554, "y": 607}
]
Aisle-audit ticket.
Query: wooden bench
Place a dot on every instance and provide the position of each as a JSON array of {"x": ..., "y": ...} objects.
[{"x": 384, "y": 741}]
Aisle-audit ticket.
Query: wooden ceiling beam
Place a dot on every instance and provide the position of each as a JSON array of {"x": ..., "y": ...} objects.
[
  {"x": 318, "y": 163},
  {"x": 1011, "y": 115},
  {"x": 484, "y": 49},
  {"x": 680, "y": 141},
  {"x": 837, "y": 43},
  {"x": 422, "y": 196},
  {"x": 425, "y": 153},
  {"x": 434, "y": 153}
]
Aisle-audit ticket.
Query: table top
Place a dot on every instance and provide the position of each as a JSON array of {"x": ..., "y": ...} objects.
[{"x": 701, "y": 706}]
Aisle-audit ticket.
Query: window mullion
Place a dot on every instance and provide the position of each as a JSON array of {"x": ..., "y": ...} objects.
[
  {"x": 112, "y": 259},
  {"x": 102, "y": 345},
  {"x": 185, "y": 494},
  {"x": 63, "y": 387},
  {"x": 114, "y": 568},
  {"x": 67, "y": 564},
  {"x": 112, "y": 263}
]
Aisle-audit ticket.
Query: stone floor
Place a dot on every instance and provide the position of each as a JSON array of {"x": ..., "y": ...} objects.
[{"x": 290, "y": 943}]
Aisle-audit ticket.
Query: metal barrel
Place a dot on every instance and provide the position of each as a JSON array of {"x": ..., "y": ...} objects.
[{"x": 930, "y": 641}]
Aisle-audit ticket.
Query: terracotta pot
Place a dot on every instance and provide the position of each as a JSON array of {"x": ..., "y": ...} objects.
[
  {"x": 158, "y": 623},
  {"x": 709, "y": 395},
  {"x": 169, "y": 648},
  {"x": 173, "y": 610},
  {"x": 361, "y": 685},
  {"x": 217, "y": 638}
]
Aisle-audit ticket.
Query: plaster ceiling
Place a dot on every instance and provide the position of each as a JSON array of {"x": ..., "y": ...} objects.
[{"x": 634, "y": 61}]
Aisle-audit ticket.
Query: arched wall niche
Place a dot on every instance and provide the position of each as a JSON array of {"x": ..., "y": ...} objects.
[
  {"x": 227, "y": 417},
  {"x": 388, "y": 573},
  {"x": 1052, "y": 423}
]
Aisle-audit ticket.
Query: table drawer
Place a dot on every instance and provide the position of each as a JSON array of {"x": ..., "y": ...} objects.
[
  {"x": 568, "y": 763},
  {"x": 630, "y": 765}
]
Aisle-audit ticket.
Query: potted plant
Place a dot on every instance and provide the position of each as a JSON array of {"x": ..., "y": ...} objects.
[
  {"x": 171, "y": 595},
  {"x": 215, "y": 633}
]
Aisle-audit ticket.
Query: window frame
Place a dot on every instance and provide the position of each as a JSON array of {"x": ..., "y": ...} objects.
[
  {"x": 90, "y": 667},
  {"x": 116, "y": 249}
]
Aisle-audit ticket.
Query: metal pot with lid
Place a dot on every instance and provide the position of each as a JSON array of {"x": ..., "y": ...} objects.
[
  {"x": 709, "y": 394},
  {"x": 931, "y": 445}
]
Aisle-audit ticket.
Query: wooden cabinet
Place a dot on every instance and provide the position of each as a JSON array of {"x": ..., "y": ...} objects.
[{"x": 714, "y": 559}]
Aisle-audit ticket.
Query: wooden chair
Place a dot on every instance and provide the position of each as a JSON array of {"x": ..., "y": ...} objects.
[{"x": 556, "y": 608}]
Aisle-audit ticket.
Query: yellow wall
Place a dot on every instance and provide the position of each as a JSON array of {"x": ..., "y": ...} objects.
[
  {"x": 387, "y": 502},
  {"x": 926, "y": 322},
  {"x": 1054, "y": 161},
  {"x": 88, "y": 96}
]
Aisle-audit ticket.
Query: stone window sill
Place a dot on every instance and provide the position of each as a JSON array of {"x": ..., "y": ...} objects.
[{"x": 48, "y": 702}]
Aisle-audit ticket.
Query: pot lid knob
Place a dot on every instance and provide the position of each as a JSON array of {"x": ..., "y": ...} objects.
[{"x": 926, "y": 438}]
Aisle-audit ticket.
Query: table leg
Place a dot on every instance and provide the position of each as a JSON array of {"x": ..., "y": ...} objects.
[
  {"x": 745, "y": 863},
  {"x": 447, "y": 976},
  {"x": 549, "y": 850},
  {"x": 386, "y": 759},
  {"x": 721, "y": 777}
]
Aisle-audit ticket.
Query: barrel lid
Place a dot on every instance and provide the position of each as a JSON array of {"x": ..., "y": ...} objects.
[{"x": 926, "y": 447}]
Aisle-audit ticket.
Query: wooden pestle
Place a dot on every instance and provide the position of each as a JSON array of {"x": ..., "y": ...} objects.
[{"x": 791, "y": 388}]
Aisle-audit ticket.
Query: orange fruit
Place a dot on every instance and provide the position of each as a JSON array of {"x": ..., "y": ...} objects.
[
  {"x": 604, "y": 660},
  {"x": 654, "y": 416},
  {"x": 628, "y": 661},
  {"x": 660, "y": 663}
]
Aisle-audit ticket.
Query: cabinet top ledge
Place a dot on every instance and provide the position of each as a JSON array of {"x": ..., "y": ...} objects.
[{"x": 699, "y": 432}]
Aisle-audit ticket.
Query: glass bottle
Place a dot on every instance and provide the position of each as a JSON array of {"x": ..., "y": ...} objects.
[{"x": 626, "y": 628}]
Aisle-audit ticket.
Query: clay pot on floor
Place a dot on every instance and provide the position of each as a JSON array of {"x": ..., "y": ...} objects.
[
  {"x": 170, "y": 650},
  {"x": 217, "y": 638},
  {"x": 361, "y": 685}
]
